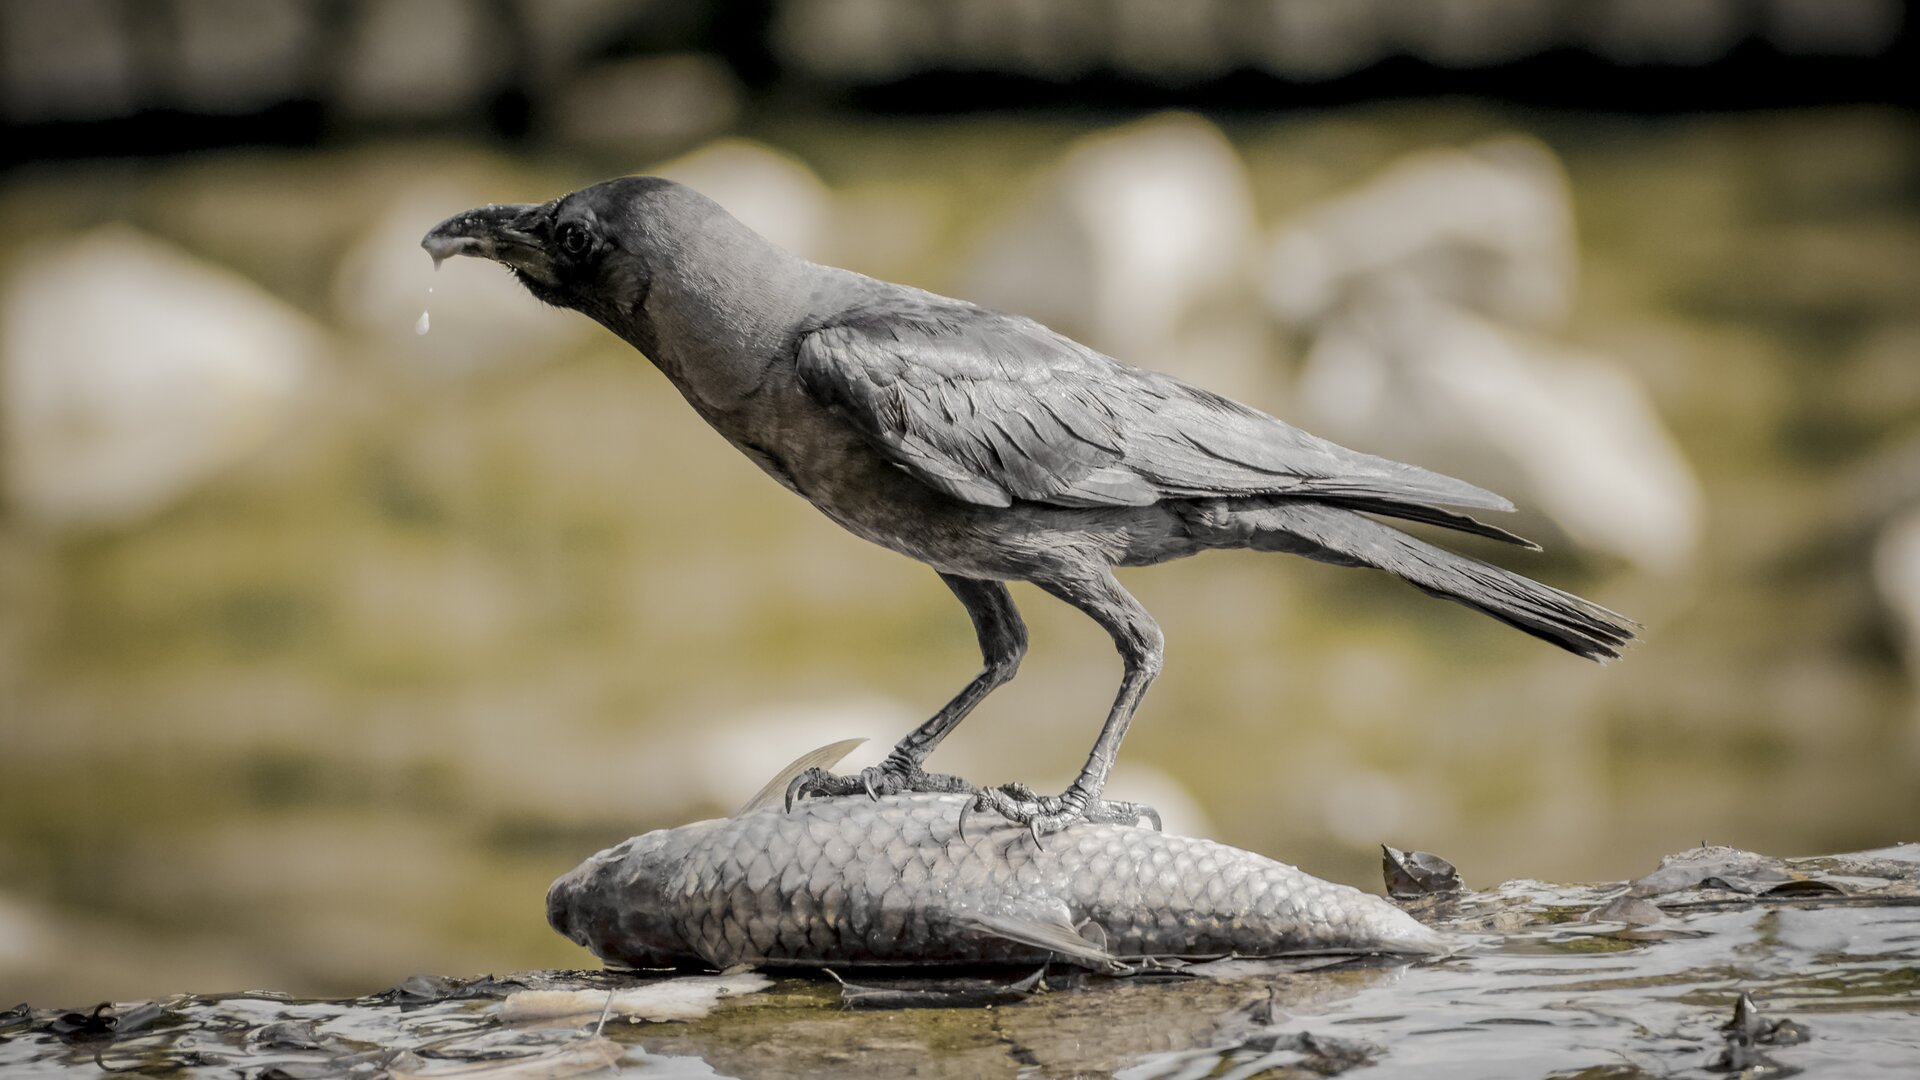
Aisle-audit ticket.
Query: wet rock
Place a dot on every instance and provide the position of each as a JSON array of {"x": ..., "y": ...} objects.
[
  {"x": 1630, "y": 910},
  {"x": 1712, "y": 866},
  {"x": 1746, "y": 1033},
  {"x": 134, "y": 373},
  {"x": 1726, "y": 869}
]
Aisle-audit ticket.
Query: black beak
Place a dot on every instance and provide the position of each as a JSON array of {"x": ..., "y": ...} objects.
[{"x": 506, "y": 234}]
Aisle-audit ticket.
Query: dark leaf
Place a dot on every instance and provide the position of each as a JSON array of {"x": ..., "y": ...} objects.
[
  {"x": 1807, "y": 887},
  {"x": 426, "y": 989},
  {"x": 104, "y": 1022},
  {"x": 1411, "y": 874}
]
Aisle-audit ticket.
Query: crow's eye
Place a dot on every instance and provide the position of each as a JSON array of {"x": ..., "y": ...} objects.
[{"x": 573, "y": 239}]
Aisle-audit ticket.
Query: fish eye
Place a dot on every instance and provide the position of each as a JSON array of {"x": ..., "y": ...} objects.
[{"x": 573, "y": 238}]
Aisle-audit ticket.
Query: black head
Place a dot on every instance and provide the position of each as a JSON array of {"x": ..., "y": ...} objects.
[{"x": 593, "y": 251}]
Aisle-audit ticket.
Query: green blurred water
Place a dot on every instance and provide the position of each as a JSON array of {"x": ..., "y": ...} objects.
[{"x": 342, "y": 712}]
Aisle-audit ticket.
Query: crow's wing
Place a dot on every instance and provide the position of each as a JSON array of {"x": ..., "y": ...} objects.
[{"x": 990, "y": 408}]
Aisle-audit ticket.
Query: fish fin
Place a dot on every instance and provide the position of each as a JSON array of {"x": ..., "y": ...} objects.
[
  {"x": 1054, "y": 936},
  {"x": 1094, "y": 933},
  {"x": 824, "y": 758}
]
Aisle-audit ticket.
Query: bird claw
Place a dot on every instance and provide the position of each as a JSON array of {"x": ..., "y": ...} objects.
[
  {"x": 886, "y": 778},
  {"x": 1041, "y": 815},
  {"x": 798, "y": 785}
]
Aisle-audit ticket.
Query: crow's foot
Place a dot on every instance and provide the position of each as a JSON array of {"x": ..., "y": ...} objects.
[
  {"x": 1044, "y": 814},
  {"x": 890, "y": 777}
]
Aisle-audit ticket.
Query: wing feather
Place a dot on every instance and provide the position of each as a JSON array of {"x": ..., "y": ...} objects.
[{"x": 989, "y": 408}]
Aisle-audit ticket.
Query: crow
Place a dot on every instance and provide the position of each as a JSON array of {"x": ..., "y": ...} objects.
[{"x": 988, "y": 447}]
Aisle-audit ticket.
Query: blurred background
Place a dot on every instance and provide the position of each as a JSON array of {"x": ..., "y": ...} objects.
[{"x": 326, "y": 645}]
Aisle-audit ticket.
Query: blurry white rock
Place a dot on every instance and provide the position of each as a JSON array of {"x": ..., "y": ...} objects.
[
  {"x": 480, "y": 318},
  {"x": 1399, "y": 373},
  {"x": 1120, "y": 242},
  {"x": 134, "y": 371},
  {"x": 726, "y": 759},
  {"x": 1490, "y": 227},
  {"x": 1896, "y": 571},
  {"x": 772, "y": 193},
  {"x": 1392, "y": 280}
]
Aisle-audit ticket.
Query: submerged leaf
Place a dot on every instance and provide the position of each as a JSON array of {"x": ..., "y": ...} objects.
[
  {"x": 571, "y": 1058},
  {"x": 687, "y": 998},
  {"x": 1627, "y": 909},
  {"x": 959, "y": 993}
]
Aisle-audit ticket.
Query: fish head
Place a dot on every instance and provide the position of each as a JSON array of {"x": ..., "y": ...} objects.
[{"x": 615, "y": 903}]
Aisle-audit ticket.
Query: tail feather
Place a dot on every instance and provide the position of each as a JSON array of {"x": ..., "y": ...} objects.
[
  {"x": 1434, "y": 515},
  {"x": 1339, "y": 535}
]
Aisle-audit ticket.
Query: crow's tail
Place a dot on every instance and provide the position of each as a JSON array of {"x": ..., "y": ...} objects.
[{"x": 1334, "y": 534}]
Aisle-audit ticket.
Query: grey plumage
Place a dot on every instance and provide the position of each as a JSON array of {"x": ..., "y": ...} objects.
[
  {"x": 846, "y": 881},
  {"x": 986, "y": 446}
]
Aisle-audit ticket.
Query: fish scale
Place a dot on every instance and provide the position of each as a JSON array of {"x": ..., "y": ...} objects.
[{"x": 854, "y": 881}]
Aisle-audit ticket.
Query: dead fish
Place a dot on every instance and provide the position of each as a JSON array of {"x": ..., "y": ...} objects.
[{"x": 854, "y": 881}]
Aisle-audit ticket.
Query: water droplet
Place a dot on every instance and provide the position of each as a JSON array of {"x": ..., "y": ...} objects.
[{"x": 421, "y": 327}]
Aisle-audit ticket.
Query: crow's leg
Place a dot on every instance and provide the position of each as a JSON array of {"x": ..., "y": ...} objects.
[
  {"x": 1138, "y": 638},
  {"x": 1003, "y": 642}
]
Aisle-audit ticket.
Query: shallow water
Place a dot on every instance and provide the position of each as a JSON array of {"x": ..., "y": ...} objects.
[{"x": 1536, "y": 990}]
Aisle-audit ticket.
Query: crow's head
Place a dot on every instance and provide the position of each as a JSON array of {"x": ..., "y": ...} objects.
[{"x": 595, "y": 251}]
